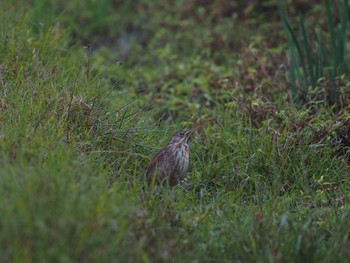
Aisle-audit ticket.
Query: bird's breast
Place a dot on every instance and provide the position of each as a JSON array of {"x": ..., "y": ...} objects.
[{"x": 182, "y": 158}]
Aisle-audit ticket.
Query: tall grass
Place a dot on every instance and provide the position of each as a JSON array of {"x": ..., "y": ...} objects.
[
  {"x": 264, "y": 183},
  {"x": 318, "y": 58},
  {"x": 63, "y": 133}
]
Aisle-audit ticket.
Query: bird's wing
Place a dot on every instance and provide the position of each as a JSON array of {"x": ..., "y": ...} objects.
[{"x": 153, "y": 165}]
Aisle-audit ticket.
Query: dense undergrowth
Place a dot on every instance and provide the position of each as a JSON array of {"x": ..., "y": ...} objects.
[{"x": 88, "y": 97}]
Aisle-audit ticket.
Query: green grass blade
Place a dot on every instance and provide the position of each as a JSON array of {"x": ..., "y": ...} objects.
[
  {"x": 308, "y": 51},
  {"x": 321, "y": 55},
  {"x": 333, "y": 38}
]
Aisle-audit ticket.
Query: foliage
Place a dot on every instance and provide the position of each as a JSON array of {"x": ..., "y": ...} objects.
[{"x": 314, "y": 62}]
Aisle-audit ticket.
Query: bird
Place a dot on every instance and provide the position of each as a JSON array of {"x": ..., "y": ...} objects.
[{"x": 170, "y": 164}]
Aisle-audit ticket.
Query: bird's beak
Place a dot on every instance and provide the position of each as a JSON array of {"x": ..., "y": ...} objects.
[{"x": 189, "y": 132}]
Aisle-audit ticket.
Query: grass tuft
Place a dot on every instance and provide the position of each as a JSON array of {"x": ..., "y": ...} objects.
[{"x": 316, "y": 66}]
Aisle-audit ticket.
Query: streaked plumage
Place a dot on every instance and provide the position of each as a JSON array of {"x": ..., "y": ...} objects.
[{"x": 170, "y": 164}]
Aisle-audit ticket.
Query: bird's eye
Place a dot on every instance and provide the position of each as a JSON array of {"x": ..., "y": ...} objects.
[{"x": 184, "y": 133}]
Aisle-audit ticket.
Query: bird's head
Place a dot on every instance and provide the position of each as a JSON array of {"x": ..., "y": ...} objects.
[{"x": 183, "y": 135}]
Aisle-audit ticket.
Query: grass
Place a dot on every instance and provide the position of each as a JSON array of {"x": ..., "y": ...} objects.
[
  {"x": 318, "y": 61},
  {"x": 268, "y": 179}
]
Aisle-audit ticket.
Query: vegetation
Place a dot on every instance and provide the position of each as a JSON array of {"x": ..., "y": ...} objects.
[
  {"x": 323, "y": 65},
  {"x": 90, "y": 90}
]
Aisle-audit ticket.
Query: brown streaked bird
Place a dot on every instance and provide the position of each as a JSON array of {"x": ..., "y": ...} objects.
[{"x": 170, "y": 164}]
